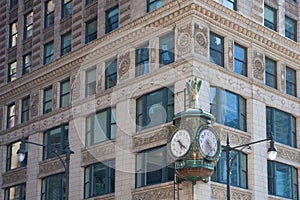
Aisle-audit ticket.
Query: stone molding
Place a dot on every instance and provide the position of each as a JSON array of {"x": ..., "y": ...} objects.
[
  {"x": 219, "y": 192},
  {"x": 14, "y": 177},
  {"x": 235, "y": 136},
  {"x": 94, "y": 155},
  {"x": 288, "y": 154},
  {"x": 51, "y": 166},
  {"x": 160, "y": 191}
]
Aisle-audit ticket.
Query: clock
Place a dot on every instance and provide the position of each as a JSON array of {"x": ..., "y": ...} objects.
[
  {"x": 180, "y": 142},
  {"x": 208, "y": 142}
]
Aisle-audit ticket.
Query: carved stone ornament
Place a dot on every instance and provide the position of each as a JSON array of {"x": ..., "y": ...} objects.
[
  {"x": 230, "y": 55},
  {"x": 288, "y": 155},
  {"x": 283, "y": 75},
  {"x": 184, "y": 42},
  {"x": 124, "y": 64},
  {"x": 91, "y": 156},
  {"x": 158, "y": 136},
  {"x": 201, "y": 40},
  {"x": 233, "y": 137},
  {"x": 193, "y": 88},
  {"x": 258, "y": 66},
  {"x": 219, "y": 192},
  {"x": 48, "y": 167},
  {"x": 75, "y": 86},
  {"x": 14, "y": 177},
  {"x": 154, "y": 194},
  {"x": 34, "y": 104}
]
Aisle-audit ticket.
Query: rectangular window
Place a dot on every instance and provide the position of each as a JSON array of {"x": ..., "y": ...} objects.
[
  {"x": 142, "y": 60},
  {"x": 282, "y": 180},
  {"x": 101, "y": 126},
  {"x": 13, "y": 3},
  {"x": 13, "y": 34},
  {"x": 291, "y": 85},
  {"x": 48, "y": 52},
  {"x": 216, "y": 49},
  {"x": 228, "y": 108},
  {"x": 239, "y": 171},
  {"x": 240, "y": 60},
  {"x": 53, "y": 187},
  {"x": 64, "y": 99},
  {"x": 155, "y": 108},
  {"x": 290, "y": 28},
  {"x": 56, "y": 138},
  {"x": 153, "y": 4},
  {"x": 47, "y": 104},
  {"x": 12, "y": 161},
  {"x": 90, "y": 82},
  {"x": 111, "y": 74},
  {"x": 25, "y": 110},
  {"x": 282, "y": 125},
  {"x": 28, "y": 24},
  {"x": 88, "y": 1},
  {"x": 99, "y": 179},
  {"x": 11, "y": 115},
  {"x": 231, "y": 4},
  {"x": 271, "y": 73},
  {"x": 152, "y": 167},
  {"x": 17, "y": 192},
  {"x": 90, "y": 30},
  {"x": 270, "y": 18},
  {"x": 66, "y": 42},
  {"x": 12, "y": 71},
  {"x": 49, "y": 13},
  {"x": 166, "y": 49},
  {"x": 67, "y": 8},
  {"x": 111, "y": 19},
  {"x": 27, "y": 59}
]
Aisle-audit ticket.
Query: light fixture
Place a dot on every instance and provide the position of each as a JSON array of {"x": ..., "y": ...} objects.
[
  {"x": 21, "y": 153},
  {"x": 272, "y": 151}
]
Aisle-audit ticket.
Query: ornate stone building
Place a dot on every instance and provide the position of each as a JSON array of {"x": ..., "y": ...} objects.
[{"x": 108, "y": 76}]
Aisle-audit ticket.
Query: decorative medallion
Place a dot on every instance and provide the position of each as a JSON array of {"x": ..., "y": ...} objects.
[
  {"x": 124, "y": 64},
  {"x": 258, "y": 66},
  {"x": 201, "y": 40},
  {"x": 183, "y": 41}
]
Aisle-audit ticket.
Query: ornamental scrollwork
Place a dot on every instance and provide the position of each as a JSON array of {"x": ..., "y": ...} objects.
[
  {"x": 184, "y": 41},
  {"x": 258, "y": 66},
  {"x": 201, "y": 40},
  {"x": 124, "y": 64}
]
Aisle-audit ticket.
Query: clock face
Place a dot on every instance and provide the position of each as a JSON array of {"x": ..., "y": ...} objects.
[
  {"x": 208, "y": 143},
  {"x": 180, "y": 143}
]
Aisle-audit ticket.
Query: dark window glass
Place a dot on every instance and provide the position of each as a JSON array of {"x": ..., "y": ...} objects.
[
  {"x": 270, "y": 18},
  {"x": 64, "y": 99},
  {"x": 17, "y": 192},
  {"x": 142, "y": 60},
  {"x": 11, "y": 115},
  {"x": 216, "y": 49},
  {"x": 48, "y": 52},
  {"x": 282, "y": 180},
  {"x": 28, "y": 23},
  {"x": 67, "y": 8},
  {"x": 66, "y": 42},
  {"x": 13, "y": 3},
  {"x": 90, "y": 80},
  {"x": 27, "y": 59},
  {"x": 166, "y": 49},
  {"x": 12, "y": 71},
  {"x": 282, "y": 125},
  {"x": 153, "y": 4},
  {"x": 231, "y": 4},
  {"x": 240, "y": 60},
  {"x": 12, "y": 161},
  {"x": 154, "y": 108},
  {"x": 239, "y": 171},
  {"x": 291, "y": 84},
  {"x": 228, "y": 108},
  {"x": 49, "y": 13},
  {"x": 101, "y": 126},
  {"x": 53, "y": 187},
  {"x": 25, "y": 109},
  {"x": 111, "y": 74},
  {"x": 152, "y": 167},
  {"x": 90, "y": 30},
  {"x": 13, "y": 34},
  {"x": 99, "y": 179},
  {"x": 290, "y": 28},
  {"x": 111, "y": 19},
  {"x": 47, "y": 104},
  {"x": 271, "y": 73}
]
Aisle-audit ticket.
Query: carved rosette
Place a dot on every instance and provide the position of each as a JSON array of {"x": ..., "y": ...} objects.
[
  {"x": 183, "y": 41},
  {"x": 123, "y": 65},
  {"x": 13, "y": 178},
  {"x": 283, "y": 75},
  {"x": 75, "y": 87},
  {"x": 230, "y": 54},
  {"x": 201, "y": 40},
  {"x": 258, "y": 66},
  {"x": 154, "y": 194},
  {"x": 34, "y": 104}
]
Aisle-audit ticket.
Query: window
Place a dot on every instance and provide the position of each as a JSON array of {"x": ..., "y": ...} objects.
[
  {"x": 17, "y": 192},
  {"x": 28, "y": 23},
  {"x": 155, "y": 108},
  {"x": 13, "y": 34},
  {"x": 282, "y": 125},
  {"x": 270, "y": 18},
  {"x": 111, "y": 19},
  {"x": 228, "y": 108},
  {"x": 90, "y": 30},
  {"x": 25, "y": 109},
  {"x": 99, "y": 179},
  {"x": 12, "y": 161},
  {"x": 90, "y": 80},
  {"x": 101, "y": 126},
  {"x": 153, "y": 4},
  {"x": 13, "y": 3},
  {"x": 88, "y": 1},
  {"x": 240, "y": 60},
  {"x": 282, "y": 180},
  {"x": 56, "y": 138},
  {"x": 290, "y": 28},
  {"x": 111, "y": 74},
  {"x": 48, "y": 52},
  {"x": 27, "y": 59},
  {"x": 152, "y": 167},
  {"x": 216, "y": 49},
  {"x": 142, "y": 60},
  {"x": 12, "y": 72},
  {"x": 53, "y": 187},
  {"x": 231, "y": 4},
  {"x": 238, "y": 176},
  {"x": 66, "y": 41},
  {"x": 11, "y": 112},
  {"x": 67, "y": 8},
  {"x": 64, "y": 99},
  {"x": 47, "y": 105},
  {"x": 291, "y": 87},
  {"x": 271, "y": 73},
  {"x": 166, "y": 49},
  {"x": 49, "y": 13}
]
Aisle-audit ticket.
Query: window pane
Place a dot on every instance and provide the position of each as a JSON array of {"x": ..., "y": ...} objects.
[
  {"x": 166, "y": 49},
  {"x": 111, "y": 74},
  {"x": 91, "y": 31},
  {"x": 231, "y": 4},
  {"x": 216, "y": 49},
  {"x": 112, "y": 19},
  {"x": 270, "y": 18},
  {"x": 142, "y": 60},
  {"x": 240, "y": 60},
  {"x": 90, "y": 82},
  {"x": 153, "y": 4},
  {"x": 290, "y": 28},
  {"x": 271, "y": 73}
]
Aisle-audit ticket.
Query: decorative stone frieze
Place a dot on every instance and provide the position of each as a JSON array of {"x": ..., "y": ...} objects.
[
  {"x": 161, "y": 193},
  {"x": 288, "y": 154},
  {"x": 184, "y": 40},
  {"x": 258, "y": 65},
  {"x": 201, "y": 40},
  {"x": 143, "y": 140},
  {"x": 51, "y": 167},
  {"x": 234, "y": 137},
  {"x": 94, "y": 155},
  {"x": 219, "y": 192},
  {"x": 14, "y": 177},
  {"x": 123, "y": 65}
]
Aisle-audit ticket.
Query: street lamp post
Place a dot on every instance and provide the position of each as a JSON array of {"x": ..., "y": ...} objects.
[
  {"x": 272, "y": 152},
  {"x": 21, "y": 153}
]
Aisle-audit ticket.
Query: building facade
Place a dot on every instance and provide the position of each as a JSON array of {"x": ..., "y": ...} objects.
[{"x": 107, "y": 77}]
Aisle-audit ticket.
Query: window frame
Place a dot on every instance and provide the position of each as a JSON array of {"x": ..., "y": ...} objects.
[
  {"x": 267, "y": 23},
  {"x": 45, "y": 185},
  {"x": 12, "y": 71},
  {"x": 109, "y": 22},
  {"x": 64, "y": 8},
  {"x": 26, "y": 66},
  {"x": 231, "y": 4},
  {"x": 25, "y": 112},
  {"x": 13, "y": 4},
  {"x": 90, "y": 85},
  {"x": 22, "y": 192},
  {"x": 142, "y": 60},
  {"x": 28, "y": 27},
  {"x": 158, "y": 4},
  {"x": 63, "y": 94},
  {"x": 48, "y": 58},
  {"x": 12, "y": 157},
  {"x": 13, "y": 36},
  {"x": 66, "y": 47},
  {"x": 48, "y": 102},
  {"x": 291, "y": 84},
  {"x": 49, "y": 14},
  {"x": 239, "y": 60},
  {"x": 167, "y": 40},
  {"x": 10, "y": 116},
  {"x": 268, "y": 72},
  {"x": 220, "y": 53},
  {"x": 89, "y": 37},
  {"x": 111, "y": 73},
  {"x": 289, "y": 34}
]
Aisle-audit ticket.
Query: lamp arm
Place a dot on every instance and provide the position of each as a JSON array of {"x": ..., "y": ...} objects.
[{"x": 248, "y": 144}]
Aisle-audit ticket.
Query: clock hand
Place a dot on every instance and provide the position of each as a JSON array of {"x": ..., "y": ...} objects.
[{"x": 181, "y": 145}]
